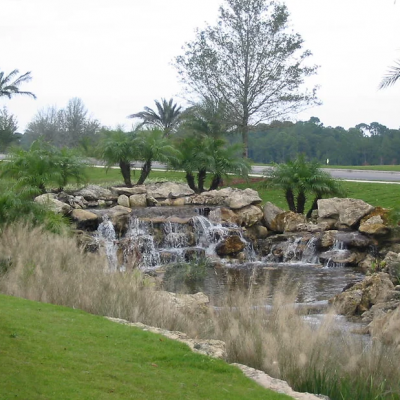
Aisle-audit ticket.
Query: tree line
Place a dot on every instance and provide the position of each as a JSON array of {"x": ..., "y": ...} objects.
[{"x": 364, "y": 144}]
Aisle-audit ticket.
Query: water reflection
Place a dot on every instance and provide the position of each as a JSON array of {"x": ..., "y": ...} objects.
[{"x": 313, "y": 282}]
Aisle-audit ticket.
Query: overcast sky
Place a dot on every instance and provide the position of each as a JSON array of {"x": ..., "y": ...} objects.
[{"x": 116, "y": 54}]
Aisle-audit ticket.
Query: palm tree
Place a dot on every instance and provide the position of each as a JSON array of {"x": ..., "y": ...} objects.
[
  {"x": 391, "y": 77},
  {"x": 152, "y": 146},
  {"x": 9, "y": 84},
  {"x": 299, "y": 177},
  {"x": 166, "y": 117},
  {"x": 34, "y": 168},
  {"x": 117, "y": 147}
]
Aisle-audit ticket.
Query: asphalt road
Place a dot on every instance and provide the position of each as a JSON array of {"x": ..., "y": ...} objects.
[
  {"x": 346, "y": 174},
  {"x": 351, "y": 174}
]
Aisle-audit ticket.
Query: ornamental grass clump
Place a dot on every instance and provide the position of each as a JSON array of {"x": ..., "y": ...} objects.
[{"x": 311, "y": 352}]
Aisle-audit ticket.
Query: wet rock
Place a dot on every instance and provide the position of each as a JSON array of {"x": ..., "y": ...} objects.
[
  {"x": 85, "y": 219},
  {"x": 347, "y": 212},
  {"x": 230, "y": 246},
  {"x": 249, "y": 215},
  {"x": 354, "y": 239},
  {"x": 57, "y": 206}
]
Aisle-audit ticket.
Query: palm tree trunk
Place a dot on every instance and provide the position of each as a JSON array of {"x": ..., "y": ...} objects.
[
  {"x": 190, "y": 181},
  {"x": 201, "y": 177},
  {"x": 126, "y": 172},
  {"x": 301, "y": 202},
  {"x": 145, "y": 172},
  {"x": 290, "y": 200},
  {"x": 314, "y": 205},
  {"x": 215, "y": 182}
]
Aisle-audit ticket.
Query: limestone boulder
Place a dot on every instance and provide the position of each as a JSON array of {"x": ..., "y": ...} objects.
[
  {"x": 73, "y": 201},
  {"x": 230, "y": 246},
  {"x": 138, "y": 200},
  {"x": 374, "y": 289},
  {"x": 288, "y": 221},
  {"x": 85, "y": 219},
  {"x": 391, "y": 264},
  {"x": 57, "y": 206},
  {"x": 328, "y": 238},
  {"x": 129, "y": 191},
  {"x": 94, "y": 193},
  {"x": 173, "y": 202},
  {"x": 348, "y": 212},
  {"x": 249, "y": 215},
  {"x": 386, "y": 326},
  {"x": 227, "y": 197},
  {"x": 165, "y": 190},
  {"x": 271, "y": 211},
  {"x": 374, "y": 226},
  {"x": 123, "y": 200},
  {"x": 256, "y": 232}
]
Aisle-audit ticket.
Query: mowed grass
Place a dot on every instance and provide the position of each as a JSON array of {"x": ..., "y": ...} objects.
[{"x": 52, "y": 352}]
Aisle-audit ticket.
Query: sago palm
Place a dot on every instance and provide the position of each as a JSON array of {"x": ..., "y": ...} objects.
[
  {"x": 151, "y": 146},
  {"x": 117, "y": 147}
]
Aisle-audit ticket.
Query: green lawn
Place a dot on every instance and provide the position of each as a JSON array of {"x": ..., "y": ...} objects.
[{"x": 52, "y": 352}]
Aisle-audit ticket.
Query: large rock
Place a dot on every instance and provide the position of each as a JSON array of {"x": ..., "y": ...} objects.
[
  {"x": 165, "y": 190},
  {"x": 374, "y": 226},
  {"x": 138, "y": 200},
  {"x": 374, "y": 289},
  {"x": 230, "y": 246},
  {"x": 391, "y": 264},
  {"x": 85, "y": 219},
  {"x": 94, "y": 192},
  {"x": 288, "y": 221},
  {"x": 129, "y": 191},
  {"x": 49, "y": 200},
  {"x": 347, "y": 212},
  {"x": 249, "y": 215},
  {"x": 271, "y": 211},
  {"x": 227, "y": 197},
  {"x": 123, "y": 200}
]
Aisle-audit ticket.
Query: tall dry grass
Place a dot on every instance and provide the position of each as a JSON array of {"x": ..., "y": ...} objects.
[{"x": 314, "y": 357}]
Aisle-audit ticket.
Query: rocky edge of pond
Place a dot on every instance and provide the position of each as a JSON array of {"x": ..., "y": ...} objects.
[{"x": 371, "y": 243}]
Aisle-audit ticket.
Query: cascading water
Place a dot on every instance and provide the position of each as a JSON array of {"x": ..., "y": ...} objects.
[
  {"x": 310, "y": 254},
  {"x": 338, "y": 251},
  {"x": 148, "y": 245},
  {"x": 106, "y": 238}
]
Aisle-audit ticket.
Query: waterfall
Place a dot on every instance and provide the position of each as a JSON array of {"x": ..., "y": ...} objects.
[
  {"x": 139, "y": 233},
  {"x": 338, "y": 250},
  {"x": 147, "y": 245},
  {"x": 107, "y": 238},
  {"x": 310, "y": 255}
]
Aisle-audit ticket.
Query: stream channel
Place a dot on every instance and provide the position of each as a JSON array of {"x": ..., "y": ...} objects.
[{"x": 160, "y": 236}]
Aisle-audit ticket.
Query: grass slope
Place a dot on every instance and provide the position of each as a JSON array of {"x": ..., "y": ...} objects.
[{"x": 51, "y": 352}]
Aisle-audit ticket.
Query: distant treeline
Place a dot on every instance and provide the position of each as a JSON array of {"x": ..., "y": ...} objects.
[{"x": 365, "y": 144}]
